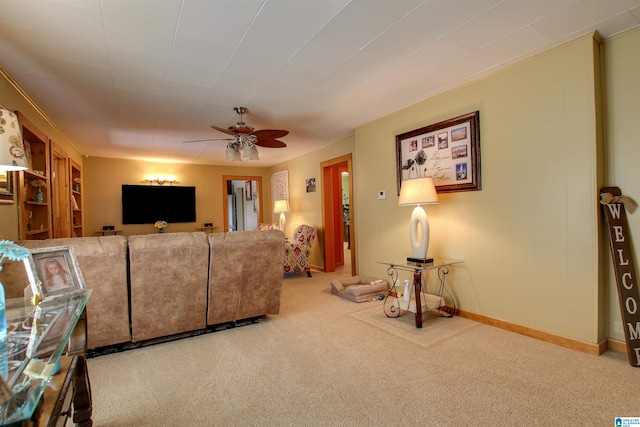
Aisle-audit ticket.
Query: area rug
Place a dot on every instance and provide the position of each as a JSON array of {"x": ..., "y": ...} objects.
[{"x": 434, "y": 329}]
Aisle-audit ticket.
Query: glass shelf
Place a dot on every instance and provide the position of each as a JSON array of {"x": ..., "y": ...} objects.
[
  {"x": 408, "y": 266},
  {"x": 36, "y": 338}
]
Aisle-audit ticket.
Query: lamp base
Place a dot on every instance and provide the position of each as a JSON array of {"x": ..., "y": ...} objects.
[{"x": 420, "y": 260}]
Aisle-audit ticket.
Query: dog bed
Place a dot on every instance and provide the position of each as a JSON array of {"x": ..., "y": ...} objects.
[{"x": 360, "y": 288}]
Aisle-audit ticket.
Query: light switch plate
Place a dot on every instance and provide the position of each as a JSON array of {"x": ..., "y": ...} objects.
[{"x": 382, "y": 194}]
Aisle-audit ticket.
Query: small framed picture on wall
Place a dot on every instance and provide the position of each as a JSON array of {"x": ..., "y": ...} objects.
[
  {"x": 311, "y": 185},
  {"x": 248, "y": 193}
]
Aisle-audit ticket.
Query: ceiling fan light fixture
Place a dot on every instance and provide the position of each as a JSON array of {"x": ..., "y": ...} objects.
[
  {"x": 246, "y": 142},
  {"x": 254, "y": 154},
  {"x": 229, "y": 153}
]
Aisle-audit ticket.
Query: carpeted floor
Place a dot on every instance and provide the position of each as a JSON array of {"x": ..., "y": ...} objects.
[{"x": 325, "y": 361}]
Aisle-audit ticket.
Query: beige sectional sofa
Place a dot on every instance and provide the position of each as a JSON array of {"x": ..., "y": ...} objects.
[{"x": 150, "y": 287}]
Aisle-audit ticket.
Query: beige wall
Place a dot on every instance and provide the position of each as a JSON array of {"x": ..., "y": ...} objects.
[
  {"x": 12, "y": 98},
  {"x": 622, "y": 113},
  {"x": 306, "y": 208},
  {"x": 529, "y": 239},
  {"x": 103, "y": 179}
]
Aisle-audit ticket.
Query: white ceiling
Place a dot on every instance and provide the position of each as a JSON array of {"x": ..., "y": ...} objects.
[{"x": 134, "y": 78}]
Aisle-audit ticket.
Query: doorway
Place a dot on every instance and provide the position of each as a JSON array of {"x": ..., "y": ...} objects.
[
  {"x": 60, "y": 198},
  {"x": 338, "y": 213},
  {"x": 242, "y": 201}
]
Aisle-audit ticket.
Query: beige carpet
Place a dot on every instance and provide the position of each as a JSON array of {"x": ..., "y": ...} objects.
[{"x": 325, "y": 361}]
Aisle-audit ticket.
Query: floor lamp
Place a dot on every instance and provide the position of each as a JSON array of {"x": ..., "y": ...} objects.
[
  {"x": 281, "y": 207},
  {"x": 417, "y": 192}
]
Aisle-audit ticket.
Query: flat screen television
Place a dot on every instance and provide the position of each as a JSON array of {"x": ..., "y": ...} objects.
[{"x": 146, "y": 204}]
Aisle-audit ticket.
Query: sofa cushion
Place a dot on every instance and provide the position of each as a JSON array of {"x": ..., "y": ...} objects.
[
  {"x": 168, "y": 278},
  {"x": 245, "y": 278}
]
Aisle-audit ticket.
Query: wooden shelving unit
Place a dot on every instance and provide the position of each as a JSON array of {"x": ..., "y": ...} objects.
[
  {"x": 75, "y": 178},
  {"x": 34, "y": 219}
]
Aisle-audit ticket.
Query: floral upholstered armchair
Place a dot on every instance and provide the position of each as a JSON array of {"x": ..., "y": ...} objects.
[{"x": 297, "y": 251}]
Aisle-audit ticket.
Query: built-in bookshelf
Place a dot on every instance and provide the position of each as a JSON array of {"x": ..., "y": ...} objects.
[
  {"x": 75, "y": 177},
  {"x": 34, "y": 218}
]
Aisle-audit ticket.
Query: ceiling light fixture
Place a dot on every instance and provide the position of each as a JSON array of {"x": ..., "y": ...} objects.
[{"x": 243, "y": 146}]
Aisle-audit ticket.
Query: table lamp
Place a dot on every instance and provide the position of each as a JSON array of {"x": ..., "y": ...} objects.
[
  {"x": 12, "y": 154},
  {"x": 281, "y": 207},
  {"x": 417, "y": 192}
]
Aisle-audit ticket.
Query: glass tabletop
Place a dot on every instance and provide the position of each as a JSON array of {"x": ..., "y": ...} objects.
[
  {"x": 410, "y": 266},
  {"x": 36, "y": 338}
]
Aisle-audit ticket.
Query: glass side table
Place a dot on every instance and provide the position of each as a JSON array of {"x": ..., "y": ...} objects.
[
  {"x": 36, "y": 339},
  {"x": 393, "y": 304}
]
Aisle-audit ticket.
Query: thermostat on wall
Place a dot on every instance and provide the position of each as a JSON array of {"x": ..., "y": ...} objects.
[{"x": 382, "y": 194}]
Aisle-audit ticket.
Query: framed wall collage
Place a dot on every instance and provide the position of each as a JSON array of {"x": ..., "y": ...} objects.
[{"x": 448, "y": 152}]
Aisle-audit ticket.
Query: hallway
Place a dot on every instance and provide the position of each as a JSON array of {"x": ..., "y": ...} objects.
[{"x": 345, "y": 269}]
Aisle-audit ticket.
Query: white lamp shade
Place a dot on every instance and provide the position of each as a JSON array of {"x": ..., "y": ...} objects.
[
  {"x": 254, "y": 154},
  {"x": 419, "y": 191},
  {"x": 230, "y": 153},
  {"x": 12, "y": 155},
  {"x": 281, "y": 206}
]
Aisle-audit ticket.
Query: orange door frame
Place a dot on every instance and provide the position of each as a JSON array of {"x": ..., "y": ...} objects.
[{"x": 332, "y": 212}]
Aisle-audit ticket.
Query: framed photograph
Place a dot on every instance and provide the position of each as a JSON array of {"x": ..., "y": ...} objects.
[
  {"x": 6, "y": 187},
  {"x": 248, "y": 193},
  {"x": 448, "y": 152},
  {"x": 311, "y": 185},
  {"x": 57, "y": 271}
]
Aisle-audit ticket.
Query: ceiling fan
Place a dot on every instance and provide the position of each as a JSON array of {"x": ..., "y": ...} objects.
[{"x": 246, "y": 139}]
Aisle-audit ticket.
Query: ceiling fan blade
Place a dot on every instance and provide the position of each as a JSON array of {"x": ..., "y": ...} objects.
[
  {"x": 270, "y": 133},
  {"x": 209, "y": 139},
  {"x": 223, "y": 130},
  {"x": 270, "y": 143}
]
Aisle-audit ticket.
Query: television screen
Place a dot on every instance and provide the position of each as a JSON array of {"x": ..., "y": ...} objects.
[{"x": 146, "y": 204}]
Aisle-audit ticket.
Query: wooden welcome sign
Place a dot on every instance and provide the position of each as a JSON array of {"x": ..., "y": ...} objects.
[{"x": 620, "y": 241}]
